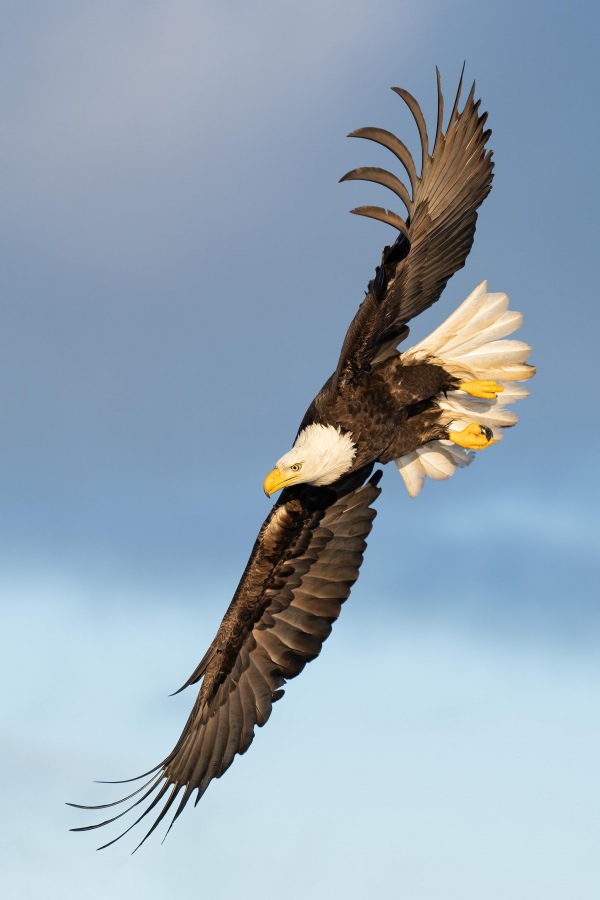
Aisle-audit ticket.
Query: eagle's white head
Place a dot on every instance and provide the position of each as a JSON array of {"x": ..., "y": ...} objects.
[{"x": 321, "y": 455}]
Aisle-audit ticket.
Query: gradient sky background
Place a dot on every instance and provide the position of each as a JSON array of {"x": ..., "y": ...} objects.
[{"x": 178, "y": 271}]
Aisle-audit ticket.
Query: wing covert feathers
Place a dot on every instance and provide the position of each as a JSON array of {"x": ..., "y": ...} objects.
[
  {"x": 454, "y": 179},
  {"x": 305, "y": 560}
]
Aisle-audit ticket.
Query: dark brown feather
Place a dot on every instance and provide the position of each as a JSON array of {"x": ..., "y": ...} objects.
[
  {"x": 454, "y": 181},
  {"x": 305, "y": 560},
  {"x": 384, "y": 215},
  {"x": 380, "y": 176}
]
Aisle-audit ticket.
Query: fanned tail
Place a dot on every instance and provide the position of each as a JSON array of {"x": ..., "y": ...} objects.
[{"x": 470, "y": 345}]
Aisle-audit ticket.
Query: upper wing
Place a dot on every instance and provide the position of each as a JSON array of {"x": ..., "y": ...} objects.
[
  {"x": 304, "y": 562},
  {"x": 438, "y": 233}
]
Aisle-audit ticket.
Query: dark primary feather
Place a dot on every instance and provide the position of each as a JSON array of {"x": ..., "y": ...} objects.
[
  {"x": 442, "y": 208},
  {"x": 304, "y": 562}
]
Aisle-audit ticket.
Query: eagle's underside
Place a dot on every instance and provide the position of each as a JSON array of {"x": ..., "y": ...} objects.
[{"x": 427, "y": 409}]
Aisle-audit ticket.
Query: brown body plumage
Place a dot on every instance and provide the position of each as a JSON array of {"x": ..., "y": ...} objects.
[
  {"x": 309, "y": 551},
  {"x": 378, "y": 406}
]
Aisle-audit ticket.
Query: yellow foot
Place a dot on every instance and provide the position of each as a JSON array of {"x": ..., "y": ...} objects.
[
  {"x": 487, "y": 390},
  {"x": 473, "y": 437}
]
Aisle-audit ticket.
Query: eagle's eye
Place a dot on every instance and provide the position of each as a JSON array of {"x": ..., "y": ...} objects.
[{"x": 296, "y": 467}]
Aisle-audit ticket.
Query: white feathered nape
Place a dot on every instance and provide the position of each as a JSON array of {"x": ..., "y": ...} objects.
[
  {"x": 324, "y": 452},
  {"x": 470, "y": 345}
]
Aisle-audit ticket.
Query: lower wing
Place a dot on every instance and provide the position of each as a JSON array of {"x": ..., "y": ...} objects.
[{"x": 305, "y": 560}]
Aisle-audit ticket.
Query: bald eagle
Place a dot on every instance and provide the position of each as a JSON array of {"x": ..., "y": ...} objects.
[{"x": 428, "y": 409}]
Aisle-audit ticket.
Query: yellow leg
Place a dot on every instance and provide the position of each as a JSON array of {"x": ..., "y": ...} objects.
[
  {"x": 487, "y": 390},
  {"x": 473, "y": 437}
]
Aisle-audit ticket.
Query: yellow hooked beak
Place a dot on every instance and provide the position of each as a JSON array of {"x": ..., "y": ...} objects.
[{"x": 274, "y": 481}]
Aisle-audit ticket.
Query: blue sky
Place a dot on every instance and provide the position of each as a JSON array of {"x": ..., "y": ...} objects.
[{"x": 178, "y": 271}]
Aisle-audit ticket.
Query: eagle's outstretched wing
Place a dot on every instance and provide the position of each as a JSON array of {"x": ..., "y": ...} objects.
[
  {"x": 305, "y": 560},
  {"x": 438, "y": 233}
]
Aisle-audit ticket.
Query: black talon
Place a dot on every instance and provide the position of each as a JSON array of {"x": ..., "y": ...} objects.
[{"x": 487, "y": 431}]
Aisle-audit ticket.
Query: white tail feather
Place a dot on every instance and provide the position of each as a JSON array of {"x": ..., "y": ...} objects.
[
  {"x": 470, "y": 344},
  {"x": 487, "y": 315},
  {"x": 452, "y": 325},
  {"x": 437, "y": 459},
  {"x": 412, "y": 471},
  {"x": 507, "y": 323}
]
